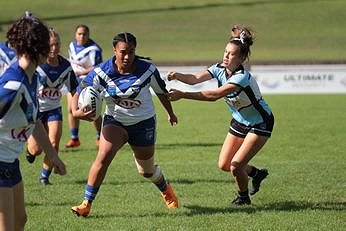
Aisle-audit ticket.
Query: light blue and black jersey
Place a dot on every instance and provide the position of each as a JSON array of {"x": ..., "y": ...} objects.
[
  {"x": 246, "y": 105},
  {"x": 128, "y": 97},
  {"x": 18, "y": 111}
]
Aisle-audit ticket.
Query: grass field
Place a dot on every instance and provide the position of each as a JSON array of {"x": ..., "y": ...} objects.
[
  {"x": 197, "y": 30},
  {"x": 304, "y": 191},
  {"x": 306, "y": 186}
]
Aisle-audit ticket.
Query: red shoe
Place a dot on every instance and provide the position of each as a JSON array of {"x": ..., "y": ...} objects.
[{"x": 72, "y": 143}]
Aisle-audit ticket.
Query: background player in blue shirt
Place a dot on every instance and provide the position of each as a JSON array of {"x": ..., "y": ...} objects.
[
  {"x": 7, "y": 56},
  {"x": 18, "y": 117},
  {"x": 125, "y": 81},
  {"x": 52, "y": 75},
  {"x": 84, "y": 55},
  {"x": 252, "y": 121}
]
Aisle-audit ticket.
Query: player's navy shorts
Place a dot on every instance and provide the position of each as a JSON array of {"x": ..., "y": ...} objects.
[
  {"x": 51, "y": 115},
  {"x": 141, "y": 134},
  {"x": 262, "y": 129},
  {"x": 10, "y": 174}
]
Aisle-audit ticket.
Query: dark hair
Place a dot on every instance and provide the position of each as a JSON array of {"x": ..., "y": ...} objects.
[
  {"x": 242, "y": 37},
  {"x": 82, "y": 26},
  {"x": 128, "y": 38},
  {"x": 29, "y": 35}
]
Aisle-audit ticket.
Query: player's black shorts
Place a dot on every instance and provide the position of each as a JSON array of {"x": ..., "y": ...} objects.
[
  {"x": 10, "y": 174},
  {"x": 262, "y": 129},
  {"x": 141, "y": 134},
  {"x": 51, "y": 115}
]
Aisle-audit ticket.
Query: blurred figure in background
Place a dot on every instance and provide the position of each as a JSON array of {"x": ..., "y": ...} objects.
[
  {"x": 18, "y": 116},
  {"x": 52, "y": 75},
  {"x": 7, "y": 56},
  {"x": 84, "y": 55}
]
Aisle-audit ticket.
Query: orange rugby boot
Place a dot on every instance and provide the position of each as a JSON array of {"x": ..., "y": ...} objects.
[
  {"x": 170, "y": 198},
  {"x": 82, "y": 209},
  {"x": 72, "y": 143}
]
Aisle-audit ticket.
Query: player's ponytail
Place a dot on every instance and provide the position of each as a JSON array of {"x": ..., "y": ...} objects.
[{"x": 242, "y": 36}]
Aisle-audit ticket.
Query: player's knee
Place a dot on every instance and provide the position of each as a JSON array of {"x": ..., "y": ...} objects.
[
  {"x": 145, "y": 167},
  {"x": 55, "y": 144},
  {"x": 236, "y": 168},
  {"x": 35, "y": 151},
  {"x": 224, "y": 166}
]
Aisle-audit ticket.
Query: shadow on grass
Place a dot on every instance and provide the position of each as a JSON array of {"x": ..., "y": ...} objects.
[
  {"x": 196, "y": 210},
  {"x": 187, "y": 145},
  {"x": 277, "y": 206},
  {"x": 79, "y": 149},
  {"x": 144, "y": 181}
]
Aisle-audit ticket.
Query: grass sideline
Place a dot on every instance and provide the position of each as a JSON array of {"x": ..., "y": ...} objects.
[
  {"x": 304, "y": 191},
  {"x": 197, "y": 30}
]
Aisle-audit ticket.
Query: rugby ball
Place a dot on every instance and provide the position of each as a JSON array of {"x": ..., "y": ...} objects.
[{"x": 92, "y": 98}]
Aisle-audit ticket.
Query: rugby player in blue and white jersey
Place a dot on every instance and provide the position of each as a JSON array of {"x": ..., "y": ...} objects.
[
  {"x": 7, "y": 56},
  {"x": 84, "y": 55},
  {"x": 130, "y": 117},
  {"x": 18, "y": 117},
  {"x": 252, "y": 122},
  {"x": 53, "y": 75}
]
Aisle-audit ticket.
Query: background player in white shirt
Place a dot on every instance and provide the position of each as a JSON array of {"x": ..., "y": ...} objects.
[
  {"x": 252, "y": 121},
  {"x": 125, "y": 79},
  {"x": 52, "y": 75},
  {"x": 18, "y": 117},
  {"x": 84, "y": 54}
]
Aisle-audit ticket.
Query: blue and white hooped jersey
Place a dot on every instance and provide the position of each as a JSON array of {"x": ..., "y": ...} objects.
[
  {"x": 51, "y": 81},
  {"x": 7, "y": 57},
  {"x": 18, "y": 111},
  {"x": 246, "y": 105},
  {"x": 84, "y": 56},
  {"x": 128, "y": 97}
]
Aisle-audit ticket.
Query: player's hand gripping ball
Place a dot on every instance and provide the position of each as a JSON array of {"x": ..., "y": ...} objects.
[{"x": 92, "y": 99}]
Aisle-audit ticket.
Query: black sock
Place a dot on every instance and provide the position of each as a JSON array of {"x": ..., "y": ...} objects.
[
  {"x": 253, "y": 172},
  {"x": 244, "y": 194}
]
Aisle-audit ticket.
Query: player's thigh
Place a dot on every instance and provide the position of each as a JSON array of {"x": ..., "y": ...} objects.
[
  {"x": 143, "y": 153},
  {"x": 54, "y": 132},
  {"x": 249, "y": 148},
  {"x": 229, "y": 148},
  {"x": 112, "y": 138},
  {"x": 6, "y": 208},
  {"x": 19, "y": 205}
]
